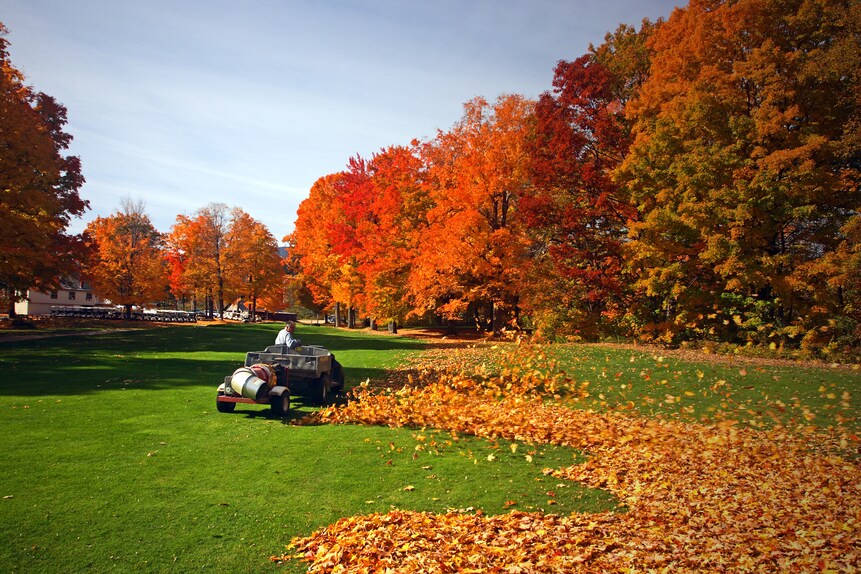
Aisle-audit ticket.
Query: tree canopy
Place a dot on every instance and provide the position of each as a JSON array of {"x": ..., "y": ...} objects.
[
  {"x": 38, "y": 186},
  {"x": 693, "y": 179},
  {"x": 126, "y": 264}
]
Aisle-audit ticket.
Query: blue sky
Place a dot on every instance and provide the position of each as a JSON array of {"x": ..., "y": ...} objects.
[{"x": 184, "y": 103}]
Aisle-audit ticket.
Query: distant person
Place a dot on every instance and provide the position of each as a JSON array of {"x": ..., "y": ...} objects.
[{"x": 285, "y": 336}]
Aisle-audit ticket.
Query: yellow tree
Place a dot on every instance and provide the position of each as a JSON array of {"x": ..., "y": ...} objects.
[
  {"x": 745, "y": 162},
  {"x": 126, "y": 265}
]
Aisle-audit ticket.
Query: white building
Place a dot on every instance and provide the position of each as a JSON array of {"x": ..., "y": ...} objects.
[{"x": 71, "y": 292}]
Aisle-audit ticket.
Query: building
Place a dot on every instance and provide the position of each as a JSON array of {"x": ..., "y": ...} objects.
[
  {"x": 237, "y": 311},
  {"x": 72, "y": 292}
]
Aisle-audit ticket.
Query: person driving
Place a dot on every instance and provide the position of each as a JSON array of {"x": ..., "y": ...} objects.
[{"x": 285, "y": 336}]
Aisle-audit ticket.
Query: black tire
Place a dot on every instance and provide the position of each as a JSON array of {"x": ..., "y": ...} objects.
[
  {"x": 280, "y": 405},
  {"x": 224, "y": 407},
  {"x": 321, "y": 390},
  {"x": 337, "y": 378}
]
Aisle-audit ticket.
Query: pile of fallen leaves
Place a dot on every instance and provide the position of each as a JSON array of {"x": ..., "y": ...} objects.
[{"x": 708, "y": 498}]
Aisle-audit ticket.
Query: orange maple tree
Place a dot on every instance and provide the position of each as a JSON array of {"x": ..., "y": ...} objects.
[
  {"x": 252, "y": 265},
  {"x": 355, "y": 234},
  {"x": 391, "y": 243},
  {"x": 310, "y": 247},
  {"x": 126, "y": 265},
  {"x": 195, "y": 249},
  {"x": 473, "y": 250},
  {"x": 186, "y": 278}
]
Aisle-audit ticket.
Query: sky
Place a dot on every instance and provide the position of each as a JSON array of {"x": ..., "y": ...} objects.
[{"x": 179, "y": 104}]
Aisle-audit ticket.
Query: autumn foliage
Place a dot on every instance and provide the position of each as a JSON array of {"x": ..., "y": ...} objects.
[
  {"x": 38, "y": 187},
  {"x": 693, "y": 179},
  {"x": 220, "y": 254},
  {"x": 743, "y": 169},
  {"x": 126, "y": 264},
  {"x": 713, "y": 497}
]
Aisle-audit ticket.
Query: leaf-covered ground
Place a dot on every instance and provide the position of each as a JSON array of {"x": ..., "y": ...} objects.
[{"x": 704, "y": 498}]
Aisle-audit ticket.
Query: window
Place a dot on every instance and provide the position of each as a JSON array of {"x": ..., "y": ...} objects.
[
  {"x": 89, "y": 296},
  {"x": 53, "y": 294},
  {"x": 71, "y": 295}
]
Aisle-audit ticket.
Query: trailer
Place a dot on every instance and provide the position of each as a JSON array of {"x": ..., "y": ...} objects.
[{"x": 272, "y": 375}]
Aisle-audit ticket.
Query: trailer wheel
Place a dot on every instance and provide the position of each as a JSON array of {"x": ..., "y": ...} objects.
[
  {"x": 320, "y": 392},
  {"x": 280, "y": 405},
  {"x": 224, "y": 407},
  {"x": 337, "y": 378}
]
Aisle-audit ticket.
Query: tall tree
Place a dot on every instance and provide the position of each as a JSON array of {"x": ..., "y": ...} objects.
[
  {"x": 390, "y": 235},
  {"x": 355, "y": 234},
  {"x": 578, "y": 216},
  {"x": 310, "y": 248},
  {"x": 196, "y": 246},
  {"x": 214, "y": 223},
  {"x": 745, "y": 164},
  {"x": 187, "y": 273},
  {"x": 127, "y": 266},
  {"x": 349, "y": 223},
  {"x": 252, "y": 264},
  {"x": 473, "y": 249},
  {"x": 38, "y": 186}
]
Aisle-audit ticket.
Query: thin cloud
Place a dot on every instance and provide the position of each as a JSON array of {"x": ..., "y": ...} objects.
[{"x": 184, "y": 103}]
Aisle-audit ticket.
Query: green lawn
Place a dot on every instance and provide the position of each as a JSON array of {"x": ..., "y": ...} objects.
[
  {"x": 116, "y": 459},
  {"x": 697, "y": 388}
]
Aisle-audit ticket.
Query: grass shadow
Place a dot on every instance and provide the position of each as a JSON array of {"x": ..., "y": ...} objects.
[{"x": 165, "y": 358}]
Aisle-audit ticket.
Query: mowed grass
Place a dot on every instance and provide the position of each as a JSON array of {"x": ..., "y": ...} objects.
[
  {"x": 702, "y": 388},
  {"x": 115, "y": 459}
]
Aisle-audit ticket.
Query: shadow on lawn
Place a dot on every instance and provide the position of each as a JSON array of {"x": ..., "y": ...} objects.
[
  {"x": 53, "y": 377},
  {"x": 68, "y": 366},
  {"x": 222, "y": 338},
  {"x": 300, "y": 407}
]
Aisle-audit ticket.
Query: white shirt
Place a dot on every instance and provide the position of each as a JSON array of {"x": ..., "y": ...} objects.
[{"x": 284, "y": 337}]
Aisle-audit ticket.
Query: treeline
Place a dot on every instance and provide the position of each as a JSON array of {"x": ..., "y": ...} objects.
[
  {"x": 209, "y": 258},
  {"x": 693, "y": 179}
]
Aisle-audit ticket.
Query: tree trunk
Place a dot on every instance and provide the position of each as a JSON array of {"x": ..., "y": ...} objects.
[
  {"x": 393, "y": 326},
  {"x": 10, "y": 293},
  {"x": 496, "y": 319},
  {"x": 337, "y": 314}
]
